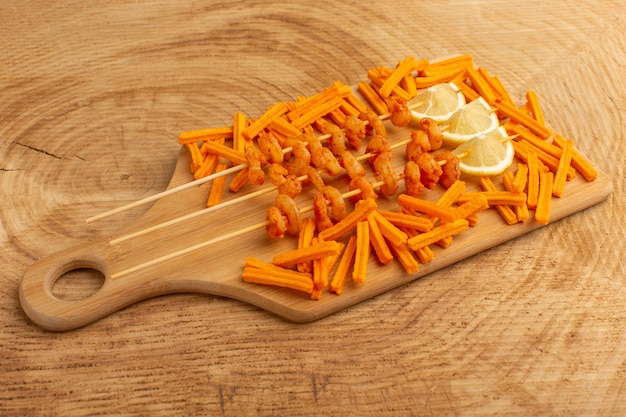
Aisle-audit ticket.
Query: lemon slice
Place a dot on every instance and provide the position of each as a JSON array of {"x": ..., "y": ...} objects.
[
  {"x": 487, "y": 154},
  {"x": 473, "y": 119},
  {"x": 438, "y": 102}
]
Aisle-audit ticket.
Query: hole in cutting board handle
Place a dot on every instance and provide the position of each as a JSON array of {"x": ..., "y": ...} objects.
[{"x": 78, "y": 284}]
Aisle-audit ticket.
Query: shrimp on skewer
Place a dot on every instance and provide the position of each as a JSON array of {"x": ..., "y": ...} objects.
[
  {"x": 285, "y": 182},
  {"x": 433, "y": 131},
  {"x": 418, "y": 145},
  {"x": 430, "y": 171},
  {"x": 450, "y": 170},
  {"x": 320, "y": 210},
  {"x": 336, "y": 203},
  {"x": 276, "y": 223},
  {"x": 331, "y": 164},
  {"x": 314, "y": 177},
  {"x": 400, "y": 113},
  {"x": 289, "y": 209},
  {"x": 337, "y": 141},
  {"x": 355, "y": 130},
  {"x": 374, "y": 125},
  {"x": 383, "y": 171},
  {"x": 269, "y": 145},
  {"x": 300, "y": 157},
  {"x": 412, "y": 180},
  {"x": 256, "y": 160},
  {"x": 352, "y": 166},
  {"x": 366, "y": 187}
]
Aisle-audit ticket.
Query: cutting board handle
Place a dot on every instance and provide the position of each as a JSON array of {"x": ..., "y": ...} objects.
[{"x": 52, "y": 313}]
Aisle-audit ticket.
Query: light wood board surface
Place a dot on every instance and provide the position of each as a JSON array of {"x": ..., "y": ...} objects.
[{"x": 93, "y": 98}]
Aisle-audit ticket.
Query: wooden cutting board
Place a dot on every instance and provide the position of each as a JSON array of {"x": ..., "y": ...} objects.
[{"x": 216, "y": 269}]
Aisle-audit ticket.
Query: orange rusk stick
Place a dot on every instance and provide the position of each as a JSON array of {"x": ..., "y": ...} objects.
[
  {"x": 426, "y": 207},
  {"x": 408, "y": 221},
  {"x": 209, "y": 164},
  {"x": 372, "y": 97},
  {"x": 217, "y": 187},
  {"x": 362, "y": 209},
  {"x": 305, "y": 238},
  {"x": 362, "y": 254},
  {"x": 455, "y": 61},
  {"x": 494, "y": 197},
  {"x": 309, "y": 104},
  {"x": 542, "y": 213},
  {"x": 381, "y": 249},
  {"x": 508, "y": 179},
  {"x": 480, "y": 85},
  {"x": 377, "y": 78},
  {"x": 224, "y": 151},
  {"x": 535, "y": 108},
  {"x": 475, "y": 204},
  {"x": 212, "y": 133},
  {"x": 356, "y": 103},
  {"x": 239, "y": 180},
  {"x": 258, "y": 272},
  {"x": 322, "y": 110},
  {"x": 306, "y": 254},
  {"x": 321, "y": 271},
  {"x": 425, "y": 254},
  {"x": 438, "y": 233},
  {"x": 505, "y": 211},
  {"x": 343, "y": 268},
  {"x": 389, "y": 230},
  {"x": 444, "y": 75},
  {"x": 239, "y": 124},
  {"x": 274, "y": 111},
  {"x": 561, "y": 173},
  {"x": 532, "y": 192},
  {"x": 196, "y": 157},
  {"x": 521, "y": 178},
  {"x": 578, "y": 161},
  {"x": 406, "y": 258},
  {"x": 548, "y": 161},
  {"x": 523, "y": 119},
  {"x": 409, "y": 85},
  {"x": 468, "y": 92},
  {"x": 282, "y": 126},
  {"x": 500, "y": 89},
  {"x": 404, "y": 67}
]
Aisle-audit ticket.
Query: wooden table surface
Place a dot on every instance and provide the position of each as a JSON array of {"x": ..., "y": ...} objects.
[{"x": 93, "y": 96}]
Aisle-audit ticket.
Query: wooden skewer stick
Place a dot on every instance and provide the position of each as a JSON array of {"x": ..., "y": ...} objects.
[
  {"x": 225, "y": 204},
  {"x": 218, "y": 239},
  {"x": 195, "y": 182}
]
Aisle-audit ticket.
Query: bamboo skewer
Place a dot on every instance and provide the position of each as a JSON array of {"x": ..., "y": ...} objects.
[
  {"x": 190, "y": 184},
  {"x": 218, "y": 239},
  {"x": 225, "y": 204}
]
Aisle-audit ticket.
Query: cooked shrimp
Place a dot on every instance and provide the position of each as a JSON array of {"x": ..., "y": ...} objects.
[
  {"x": 355, "y": 130},
  {"x": 430, "y": 171},
  {"x": 366, "y": 187},
  {"x": 419, "y": 144},
  {"x": 450, "y": 170},
  {"x": 320, "y": 210},
  {"x": 383, "y": 170},
  {"x": 313, "y": 176},
  {"x": 352, "y": 166},
  {"x": 336, "y": 203},
  {"x": 330, "y": 162},
  {"x": 288, "y": 208},
  {"x": 315, "y": 148},
  {"x": 269, "y": 145},
  {"x": 400, "y": 113},
  {"x": 433, "y": 131},
  {"x": 412, "y": 183},
  {"x": 300, "y": 158},
  {"x": 374, "y": 125},
  {"x": 291, "y": 187},
  {"x": 256, "y": 160},
  {"x": 376, "y": 146},
  {"x": 277, "y": 173},
  {"x": 276, "y": 223},
  {"x": 337, "y": 141}
]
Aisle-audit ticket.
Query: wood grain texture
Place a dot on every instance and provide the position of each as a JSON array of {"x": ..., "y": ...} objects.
[{"x": 93, "y": 96}]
